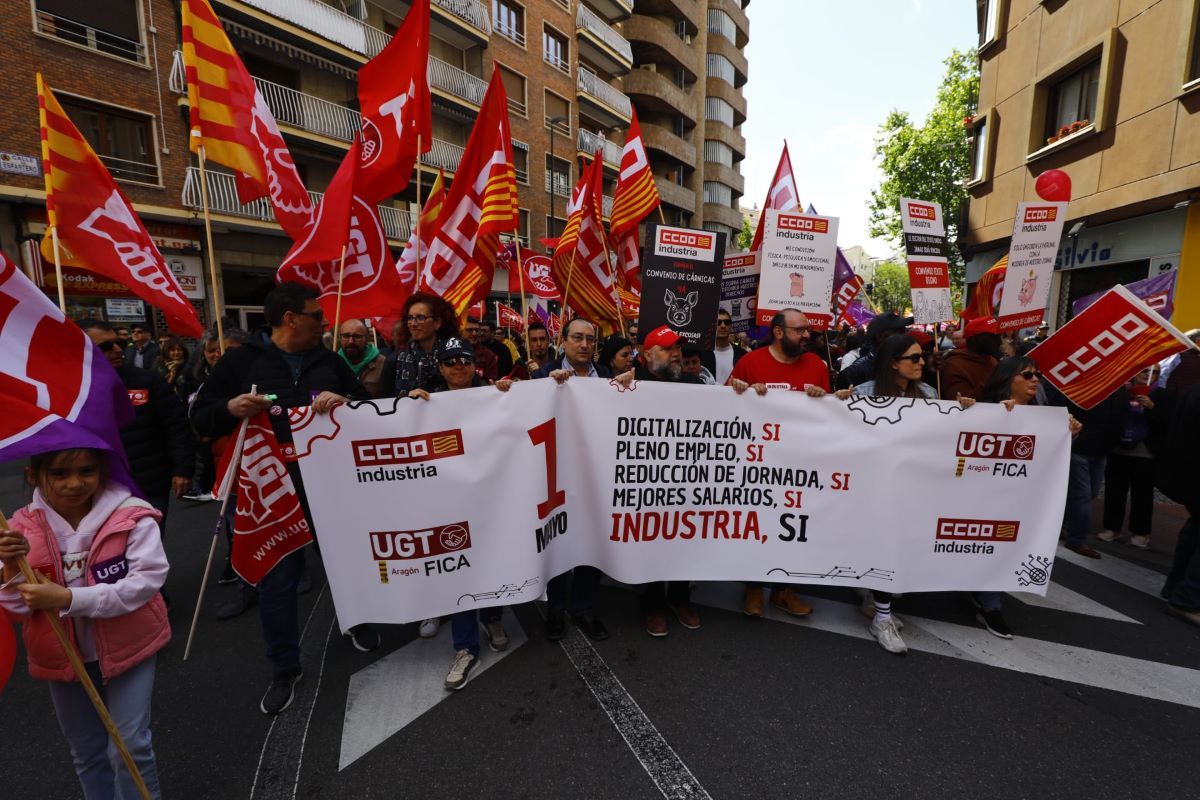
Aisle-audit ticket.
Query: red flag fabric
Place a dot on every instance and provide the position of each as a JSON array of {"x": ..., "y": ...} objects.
[
  {"x": 1098, "y": 351},
  {"x": 538, "y": 279},
  {"x": 410, "y": 271},
  {"x": 629, "y": 259},
  {"x": 8, "y": 648},
  {"x": 844, "y": 297},
  {"x": 393, "y": 94},
  {"x": 480, "y": 205},
  {"x": 988, "y": 290},
  {"x": 232, "y": 122},
  {"x": 782, "y": 194},
  {"x": 477, "y": 310},
  {"x": 636, "y": 195},
  {"x": 508, "y": 317},
  {"x": 581, "y": 265},
  {"x": 96, "y": 225},
  {"x": 330, "y": 227},
  {"x": 270, "y": 522}
]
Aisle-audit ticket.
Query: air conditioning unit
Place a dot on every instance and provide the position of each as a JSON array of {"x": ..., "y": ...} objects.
[{"x": 649, "y": 67}]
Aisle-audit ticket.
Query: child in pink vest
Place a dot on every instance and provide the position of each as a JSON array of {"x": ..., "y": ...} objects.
[{"x": 101, "y": 555}]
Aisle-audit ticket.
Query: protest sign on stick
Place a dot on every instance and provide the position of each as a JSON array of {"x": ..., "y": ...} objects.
[
  {"x": 797, "y": 266},
  {"x": 681, "y": 282},
  {"x": 928, "y": 269},
  {"x": 1031, "y": 255}
]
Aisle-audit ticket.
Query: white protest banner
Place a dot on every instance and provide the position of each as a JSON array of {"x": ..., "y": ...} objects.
[
  {"x": 739, "y": 290},
  {"x": 928, "y": 270},
  {"x": 1036, "y": 233},
  {"x": 674, "y": 482},
  {"x": 797, "y": 266}
]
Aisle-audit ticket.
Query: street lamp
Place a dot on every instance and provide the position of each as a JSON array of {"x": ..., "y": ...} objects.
[{"x": 553, "y": 122}]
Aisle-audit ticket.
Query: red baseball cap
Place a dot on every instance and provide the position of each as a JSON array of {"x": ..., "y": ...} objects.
[
  {"x": 662, "y": 336},
  {"x": 922, "y": 338},
  {"x": 981, "y": 325}
]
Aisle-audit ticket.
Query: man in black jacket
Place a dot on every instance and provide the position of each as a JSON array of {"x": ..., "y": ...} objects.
[
  {"x": 142, "y": 350},
  {"x": 289, "y": 363},
  {"x": 158, "y": 442},
  {"x": 1179, "y": 478}
]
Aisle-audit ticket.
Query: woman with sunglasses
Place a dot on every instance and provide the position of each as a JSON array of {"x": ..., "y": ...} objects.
[
  {"x": 898, "y": 369},
  {"x": 456, "y": 363},
  {"x": 1014, "y": 382},
  {"x": 426, "y": 323}
]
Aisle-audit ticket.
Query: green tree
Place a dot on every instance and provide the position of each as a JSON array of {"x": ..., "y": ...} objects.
[
  {"x": 745, "y": 237},
  {"x": 891, "y": 291},
  {"x": 930, "y": 161}
]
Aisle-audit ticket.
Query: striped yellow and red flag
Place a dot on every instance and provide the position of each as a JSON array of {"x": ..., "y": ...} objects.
[
  {"x": 985, "y": 299},
  {"x": 581, "y": 266},
  {"x": 95, "y": 224},
  {"x": 231, "y": 121},
  {"x": 410, "y": 270},
  {"x": 636, "y": 195},
  {"x": 1108, "y": 343},
  {"x": 480, "y": 205}
]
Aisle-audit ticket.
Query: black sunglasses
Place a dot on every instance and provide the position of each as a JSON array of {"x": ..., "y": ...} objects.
[
  {"x": 106, "y": 347},
  {"x": 1030, "y": 374},
  {"x": 915, "y": 358},
  {"x": 460, "y": 361}
]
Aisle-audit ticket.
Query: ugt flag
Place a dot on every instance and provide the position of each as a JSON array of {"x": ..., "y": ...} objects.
[
  {"x": 270, "y": 522},
  {"x": 56, "y": 388},
  {"x": 1114, "y": 339}
]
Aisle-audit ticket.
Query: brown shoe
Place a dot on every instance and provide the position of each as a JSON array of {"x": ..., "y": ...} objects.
[
  {"x": 752, "y": 604},
  {"x": 1083, "y": 549},
  {"x": 1184, "y": 614},
  {"x": 687, "y": 617},
  {"x": 656, "y": 625},
  {"x": 786, "y": 600}
]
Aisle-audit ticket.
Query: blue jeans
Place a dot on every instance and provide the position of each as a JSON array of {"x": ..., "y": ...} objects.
[
  {"x": 989, "y": 601},
  {"x": 102, "y": 773},
  {"x": 464, "y": 627},
  {"x": 278, "y": 612},
  {"x": 1087, "y": 476},
  {"x": 584, "y": 585}
]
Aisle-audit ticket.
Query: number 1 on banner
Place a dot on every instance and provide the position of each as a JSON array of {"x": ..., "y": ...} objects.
[{"x": 547, "y": 434}]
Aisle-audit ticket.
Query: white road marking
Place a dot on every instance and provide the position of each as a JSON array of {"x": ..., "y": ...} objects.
[
  {"x": 1060, "y": 598},
  {"x": 1119, "y": 570},
  {"x": 389, "y": 694},
  {"x": 277, "y": 776},
  {"x": 1149, "y": 679},
  {"x": 657, "y": 757}
]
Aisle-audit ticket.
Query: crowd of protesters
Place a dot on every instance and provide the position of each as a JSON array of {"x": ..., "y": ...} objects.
[{"x": 188, "y": 404}]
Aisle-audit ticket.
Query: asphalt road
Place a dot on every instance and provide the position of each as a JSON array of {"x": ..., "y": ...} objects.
[{"x": 1098, "y": 696}]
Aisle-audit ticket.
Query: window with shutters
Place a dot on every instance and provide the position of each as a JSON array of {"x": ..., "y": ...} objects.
[
  {"x": 124, "y": 140},
  {"x": 514, "y": 87},
  {"x": 112, "y": 27}
]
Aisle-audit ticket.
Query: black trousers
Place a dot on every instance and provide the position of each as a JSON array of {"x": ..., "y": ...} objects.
[
  {"x": 658, "y": 596},
  {"x": 1132, "y": 476}
]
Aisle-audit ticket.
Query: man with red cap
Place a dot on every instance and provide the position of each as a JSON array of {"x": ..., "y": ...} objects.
[{"x": 965, "y": 371}]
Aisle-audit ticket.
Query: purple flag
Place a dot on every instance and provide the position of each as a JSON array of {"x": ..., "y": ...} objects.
[
  {"x": 57, "y": 389},
  {"x": 859, "y": 314},
  {"x": 842, "y": 271},
  {"x": 1157, "y": 292}
]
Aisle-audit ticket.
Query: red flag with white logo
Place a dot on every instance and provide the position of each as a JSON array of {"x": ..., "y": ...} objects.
[
  {"x": 508, "y": 317},
  {"x": 270, "y": 522},
  {"x": 393, "y": 93},
  {"x": 782, "y": 194},
  {"x": 1098, "y": 351},
  {"x": 636, "y": 195},
  {"x": 330, "y": 229},
  {"x": 537, "y": 281}
]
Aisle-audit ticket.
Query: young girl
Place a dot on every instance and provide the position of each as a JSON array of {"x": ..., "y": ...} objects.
[{"x": 101, "y": 554}]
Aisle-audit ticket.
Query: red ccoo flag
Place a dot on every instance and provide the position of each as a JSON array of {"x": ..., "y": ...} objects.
[
  {"x": 330, "y": 229},
  {"x": 782, "y": 194},
  {"x": 508, "y": 317},
  {"x": 95, "y": 223},
  {"x": 636, "y": 195},
  {"x": 393, "y": 93},
  {"x": 1112, "y": 340}
]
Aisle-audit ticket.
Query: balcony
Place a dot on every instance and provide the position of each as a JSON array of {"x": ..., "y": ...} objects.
[
  {"x": 609, "y": 105},
  {"x": 77, "y": 33},
  {"x": 724, "y": 215},
  {"x": 223, "y": 199},
  {"x": 589, "y": 143},
  {"x": 716, "y": 87},
  {"x": 656, "y": 42},
  {"x": 738, "y": 14},
  {"x": 722, "y": 46},
  {"x": 663, "y": 140},
  {"x": 723, "y": 133},
  {"x": 471, "y": 12},
  {"x": 456, "y": 82},
  {"x": 692, "y": 13},
  {"x": 600, "y": 43},
  {"x": 675, "y": 195},
  {"x": 562, "y": 184},
  {"x": 611, "y": 10},
  {"x": 729, "y": 176},
  {"x": 656, "y": 92},
  {"x": 327, "y": 22}
]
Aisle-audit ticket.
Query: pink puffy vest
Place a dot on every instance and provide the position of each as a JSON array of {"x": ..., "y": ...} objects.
[{"x": 121, "y": 642}]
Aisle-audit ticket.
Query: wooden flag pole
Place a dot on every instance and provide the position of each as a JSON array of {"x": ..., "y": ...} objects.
[
  {"x": 661, "y": 216},
  {"x": 231, "y": 474},
  {"x": 58, "y": 273},
  {"x": 337, "y": 312},
  {"x": 612, "y": 274},
  {"x": 524, "y": 303},
  {"x": 81, "y": 672},
  {"x": 420, "y": 212},
  {"x": 212, "y": 253},
  {"x": 937, "y": 352}
]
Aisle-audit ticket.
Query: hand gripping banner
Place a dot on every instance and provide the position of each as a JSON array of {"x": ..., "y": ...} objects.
[{"x": 667, "y": 482}]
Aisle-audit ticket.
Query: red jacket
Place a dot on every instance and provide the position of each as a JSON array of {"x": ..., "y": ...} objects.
[{"x": 121, "y": 642}]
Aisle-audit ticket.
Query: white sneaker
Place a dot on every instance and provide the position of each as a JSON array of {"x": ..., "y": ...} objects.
[
  {"x": 867, "y": 608},
  {"x": 1108, "y": 536},
  {"x": 1140, "y": 542},
  {"x": 884, "y": 631},
  {"x": 460, "y": 670},
  {"x": 497, "y": 638},
  {"x": 429, "y": 628}
]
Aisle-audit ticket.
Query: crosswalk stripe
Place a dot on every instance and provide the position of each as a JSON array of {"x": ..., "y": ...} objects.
[
  {"x": 1117, "y": 569},
  {"x": 1060, "y": 598}
]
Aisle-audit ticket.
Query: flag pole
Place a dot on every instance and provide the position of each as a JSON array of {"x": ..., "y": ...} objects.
[
  {"x": 212, "y": 549},
  {"x": 212, "y": 253},
  {"x": 337, "y": 313},
  {"x": 420, "y": 212},
  {"x": 562, "y": 316},
  {"x": 58, "y": 273},
  {"x": 81, "y": 672},
  {"x": 524, "y": 303},
  {"x": 661, "y": 216}
]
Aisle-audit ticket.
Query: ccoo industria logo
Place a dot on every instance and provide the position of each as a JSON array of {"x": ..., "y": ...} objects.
[
  {"x": 439, "y": 549},
  {"x": 973, "y": 535},
  {"x": 392, "y": 459},
  {"x": 1001, "y": 454}
]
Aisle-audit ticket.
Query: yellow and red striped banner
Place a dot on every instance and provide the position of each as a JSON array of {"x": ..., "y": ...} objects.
[{"x": 636, "y": 195}]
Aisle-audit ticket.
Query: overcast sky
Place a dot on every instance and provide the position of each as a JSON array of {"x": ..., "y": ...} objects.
[{"x": 824, "y": 75}]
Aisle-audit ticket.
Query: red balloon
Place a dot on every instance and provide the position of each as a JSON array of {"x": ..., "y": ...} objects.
[{"x": 1054, "y": 186}]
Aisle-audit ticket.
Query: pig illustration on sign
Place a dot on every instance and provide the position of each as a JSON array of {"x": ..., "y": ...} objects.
[
  {"x": 797, "y": 287},
  {"x": 679, "y": 308},
  {"x": 1028, "y": 285}
]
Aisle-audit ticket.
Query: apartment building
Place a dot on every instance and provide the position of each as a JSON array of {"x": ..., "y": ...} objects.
[
  {"x": 573, "y": 70},
  {"x": 1109, "y": 92}
]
